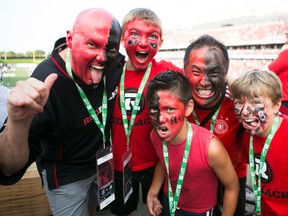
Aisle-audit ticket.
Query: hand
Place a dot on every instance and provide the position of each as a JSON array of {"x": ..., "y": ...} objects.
[
  {"x": 28, "y": 97},
  {"x": 154, "y": 206}
]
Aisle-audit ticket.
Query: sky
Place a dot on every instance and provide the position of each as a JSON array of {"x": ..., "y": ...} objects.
[{"x": 28, "y": 25}]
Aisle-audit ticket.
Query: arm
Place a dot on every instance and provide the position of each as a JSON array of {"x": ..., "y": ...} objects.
[
  {"x": 153, "y": 204},
  {"x": 280, "y": 64},
  {"x": 222, "y": 166},
  {"x": 24, "y": 102}
]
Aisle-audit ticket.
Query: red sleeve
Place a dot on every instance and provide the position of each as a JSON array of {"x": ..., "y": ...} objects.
[{"x": 280, "y": 64}]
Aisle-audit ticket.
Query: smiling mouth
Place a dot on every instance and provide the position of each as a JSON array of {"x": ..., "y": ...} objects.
[
  {"x": 205, "y": 93},
  {"x": 141, "y": 56},
  {"x": 96, "y": 67}
]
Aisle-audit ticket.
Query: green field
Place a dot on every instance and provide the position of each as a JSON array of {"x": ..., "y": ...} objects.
[
  {"x": 22, "y": 60},
  {"x": 14, "y": 74},
  {"x": 20, "y": 69}
]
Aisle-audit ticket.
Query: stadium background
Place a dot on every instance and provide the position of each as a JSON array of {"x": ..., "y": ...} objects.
[{"x": 252, "y": 42}]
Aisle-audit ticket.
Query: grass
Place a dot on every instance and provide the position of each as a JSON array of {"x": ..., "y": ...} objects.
[
  {"x": 10, "y": 78},
  {"x": 21, "y": 60},
  {"x": 16, "y": 73}
]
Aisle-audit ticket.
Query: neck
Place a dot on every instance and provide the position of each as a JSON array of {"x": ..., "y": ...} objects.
[
  {"x": 62, "y": 53},
  {"x": 210, "y": 106}
]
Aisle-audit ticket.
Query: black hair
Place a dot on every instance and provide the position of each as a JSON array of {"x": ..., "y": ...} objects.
[
  {"x": 207, "y": 41},
  {"x": 173, "y": 81}
]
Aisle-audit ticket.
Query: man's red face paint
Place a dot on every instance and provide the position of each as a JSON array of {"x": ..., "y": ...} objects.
[
  {"x": 206, "y": 73},
  {"x": 93, "y": 45}
]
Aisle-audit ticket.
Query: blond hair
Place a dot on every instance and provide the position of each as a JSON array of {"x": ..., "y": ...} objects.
[
  {"x": 257, "y": 83},
  {"x": 145, "y": 14}
]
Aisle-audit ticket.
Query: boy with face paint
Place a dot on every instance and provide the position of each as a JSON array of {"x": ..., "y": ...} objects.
[
  {"x": 257, "y": 100},
  {"x": 141, "y": 38},
  {"x": 49, "y": 122},
  {"x": 192, "y": 159},
  {"x": 206, "y": 64}
]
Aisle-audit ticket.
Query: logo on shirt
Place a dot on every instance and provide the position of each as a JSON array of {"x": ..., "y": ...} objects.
[
  {"x": 220, "y": 126},
  {"x": 129, "y": 101},
  {"x": 266, "y": 172}
]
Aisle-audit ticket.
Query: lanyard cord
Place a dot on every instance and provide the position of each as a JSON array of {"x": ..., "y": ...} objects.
[
  {"x": 212, "y": 119},
  {"x": 87, "y": 103},
  {"x": 173, "y": 200},
  {"x": 214, "y": 112},
  {"x": 257, "y": 187},
  {"x": 127, "y": 128}
]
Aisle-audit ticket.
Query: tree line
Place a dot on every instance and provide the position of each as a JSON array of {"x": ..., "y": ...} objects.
[{"x": 28, "y": 54}]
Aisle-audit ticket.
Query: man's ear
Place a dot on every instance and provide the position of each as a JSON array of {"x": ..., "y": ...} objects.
[
  {"x": 189, "y": 108},
  {"x": 69, "y": 37}
]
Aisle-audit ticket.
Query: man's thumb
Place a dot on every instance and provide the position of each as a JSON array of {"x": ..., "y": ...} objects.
[{"x": 49, "y": 81}]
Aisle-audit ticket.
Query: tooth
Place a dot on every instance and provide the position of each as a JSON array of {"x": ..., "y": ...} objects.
[{"x": 97, "y": 67}]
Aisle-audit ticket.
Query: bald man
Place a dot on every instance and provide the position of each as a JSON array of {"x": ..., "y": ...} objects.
[{"x": 60, "y": 117}]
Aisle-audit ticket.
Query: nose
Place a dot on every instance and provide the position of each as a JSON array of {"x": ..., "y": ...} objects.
[
  {"x": 101, "y": 55},
  {"x": 143, "y": 41},
  {"x": 205, "y": 80},
  {"x": 246, "y": 109},
  {"x": 162, "y": 118}
]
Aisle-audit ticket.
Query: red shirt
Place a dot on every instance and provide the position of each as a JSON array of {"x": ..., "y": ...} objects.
[
  {"x": 280, "y": 67},
  {"x": 274, "y": 181},
  {"x": 143, "y": 153},
  {"x": 225, "y": 128},
  {"x": 199, "y": 189}
]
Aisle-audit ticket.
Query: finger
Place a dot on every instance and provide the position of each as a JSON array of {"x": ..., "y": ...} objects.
[
  {"x": 49, "y": 81},
  {"x": 150, "y": 209},
  {"x": 32, "y": 98},
  {"x": 43, "y": 87},
  {"x": 157, "y": 209},
  {"x": 26, "y": 95},
  {"x": 46, "y": 87}
]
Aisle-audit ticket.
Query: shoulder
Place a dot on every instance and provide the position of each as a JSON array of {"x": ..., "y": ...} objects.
[
  {"x": 284, "y": 123},
  {"x": 201, "y": 137},
  {"x": 163, "y": 65},
  {"x": 156, "y": 141},
  {"x": 228, "y": 95},
  {"x": 217, "y": 151},
  {"x": 284, "y": 53},
  {"x": 201, "y": 131},
  {"x": 45, "y": 68},
  {"x": 280, "y": 62},
  {"x": 154, "y": 137}
]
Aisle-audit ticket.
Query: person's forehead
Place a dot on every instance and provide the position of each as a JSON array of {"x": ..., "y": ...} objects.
[{"x": 139, "y": 23}]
